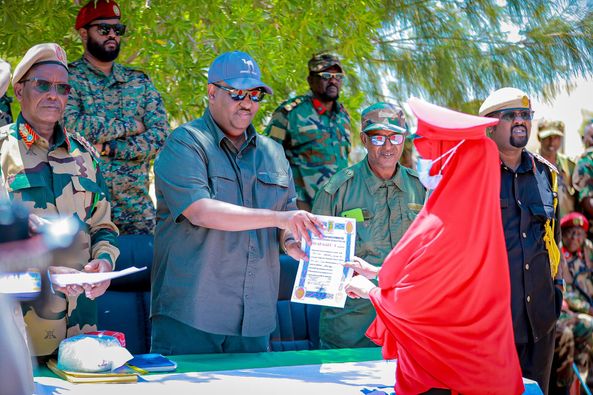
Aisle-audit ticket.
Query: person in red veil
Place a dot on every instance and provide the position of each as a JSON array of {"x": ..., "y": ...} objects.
[{"x": 443, "y": 300}]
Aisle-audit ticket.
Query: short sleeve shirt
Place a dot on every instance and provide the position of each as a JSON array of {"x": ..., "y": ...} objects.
[{"x": 218, "y": 281}]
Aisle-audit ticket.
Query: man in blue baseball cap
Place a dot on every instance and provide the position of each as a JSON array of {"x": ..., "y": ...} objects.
[{"x": 225, "y": 200}]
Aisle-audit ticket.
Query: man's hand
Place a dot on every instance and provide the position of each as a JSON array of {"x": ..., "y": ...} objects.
[
  {"x": 68, "y": 290},
  {"x": 140, "y": 128},
  {"x": 293, "y": 249},
  {"x": 298, "y": 222},
  {"x": 36, "y": 223},
  {"x": 363, "y": 268},
  {"x": 359, "y": 287},
  {"x": 93, "y": 291}
]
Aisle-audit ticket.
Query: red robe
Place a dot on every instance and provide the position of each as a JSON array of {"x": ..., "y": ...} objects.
[{"x": 443, "y": 302}]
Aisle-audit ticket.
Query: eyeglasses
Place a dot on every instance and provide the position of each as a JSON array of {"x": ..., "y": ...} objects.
[
  {"x": 255, "y": 95},
  {"x": 44, "y": 86},
  {"x": 380, "y": 140},
  {"x": 325, "y": 75},
  {"x": 104, "y": 28},
  {"x": 510, "y": 115}
]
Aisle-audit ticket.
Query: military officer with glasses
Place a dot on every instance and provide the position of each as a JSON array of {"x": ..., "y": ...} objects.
[
  {"x": 120, "y": 112},
  {"x": 225, "y": 201},
  {"x": 384, "y": 197},
  {"x": 314, "y": 129},
  {"x": 55, "y": 173},
  {"x": 528, "y": 200}
]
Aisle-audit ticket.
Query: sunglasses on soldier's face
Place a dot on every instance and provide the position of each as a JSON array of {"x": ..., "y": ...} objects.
[
  {"x": 511, "y": 115},
  {"x": 325, "y": 75},
  {"x": 104, "y": 28},
  {"x": 379, "y": 140},
  {"x": 239, "y": 94},
  {"x": 43, "y": 86}
]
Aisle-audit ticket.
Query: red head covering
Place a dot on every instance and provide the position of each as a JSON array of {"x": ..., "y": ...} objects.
[
  {"x": 97, "y": 9},
  {"x": 574, "y": 219},
  {"x": 443, "y": 303}
]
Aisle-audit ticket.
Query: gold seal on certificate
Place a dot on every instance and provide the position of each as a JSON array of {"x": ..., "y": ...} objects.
[{"x": 322, "y": 278}]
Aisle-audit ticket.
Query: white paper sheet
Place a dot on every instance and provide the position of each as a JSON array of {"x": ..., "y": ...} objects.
[{"x": 62, "y": 280}]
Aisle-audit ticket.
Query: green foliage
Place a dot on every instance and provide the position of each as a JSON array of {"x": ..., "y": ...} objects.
[{"x": 451, "y": 52}]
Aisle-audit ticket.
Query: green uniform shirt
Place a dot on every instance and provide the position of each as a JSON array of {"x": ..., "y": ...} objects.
[
  {"x": 5, "y": 112},
  {"x": 316, "y": 142},
  {"x": 388, "y": 208},
  {"x": 219, "y": 282},
  {"x": 103, "y": 109},
  {"x": 59, "y": 180}
]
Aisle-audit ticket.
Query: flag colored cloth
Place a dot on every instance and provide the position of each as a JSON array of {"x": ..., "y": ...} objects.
[{"x": 443, "y": 301}]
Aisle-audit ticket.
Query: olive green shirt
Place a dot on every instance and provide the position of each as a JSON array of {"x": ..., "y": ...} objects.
[{"x": 388, "y": 208}]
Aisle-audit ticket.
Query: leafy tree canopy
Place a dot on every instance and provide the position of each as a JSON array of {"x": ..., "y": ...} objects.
[{"x": 451, "y": 52}]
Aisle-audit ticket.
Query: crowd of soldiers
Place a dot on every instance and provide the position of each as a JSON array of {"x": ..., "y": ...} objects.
[{"x": 229, "y": 199}]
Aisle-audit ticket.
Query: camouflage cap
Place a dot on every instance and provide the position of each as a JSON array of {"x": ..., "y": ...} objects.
[
  {"x": 324, "y": 61},
  {"x": 4, "y": 76},
  {"x": 383, "y": 116},
  {"x": 505, "y": 99},
  {"x": 39, "y": 54},
  {"x": 550, "y": 128}
]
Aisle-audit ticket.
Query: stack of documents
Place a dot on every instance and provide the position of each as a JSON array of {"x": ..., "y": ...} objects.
[{"x": 104, "y": 377}]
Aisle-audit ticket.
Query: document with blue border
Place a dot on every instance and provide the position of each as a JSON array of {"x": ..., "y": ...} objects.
[{"x": 322, "y": 278}]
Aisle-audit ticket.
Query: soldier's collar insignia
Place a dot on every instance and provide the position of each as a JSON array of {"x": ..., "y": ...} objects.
[
  {"x": 28, "y": 134},
  {"x": 318, "y": 106}
]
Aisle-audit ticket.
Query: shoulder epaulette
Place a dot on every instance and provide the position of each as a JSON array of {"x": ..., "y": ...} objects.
[
  {"x": 291, "y": 104},
  {"x": 338, "y": 180},
  {"x": 84, "y": 142},
  {"x": 410, "y": 172},
  {"x": 545, "y": 162}
]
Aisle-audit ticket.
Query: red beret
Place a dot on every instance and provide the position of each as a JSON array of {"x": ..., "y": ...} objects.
[
  {"x": 574, "y": 219},
  {"x": 103, "y": 9}
]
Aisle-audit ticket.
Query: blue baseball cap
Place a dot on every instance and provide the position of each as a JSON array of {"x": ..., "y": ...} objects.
[{"x": 238, "y": 70}]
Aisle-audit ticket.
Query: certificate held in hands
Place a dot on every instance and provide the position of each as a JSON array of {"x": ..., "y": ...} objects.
[{"x": 322, "y": 278}]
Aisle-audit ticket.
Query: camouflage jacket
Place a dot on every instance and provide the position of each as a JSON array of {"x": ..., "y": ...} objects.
[
  {"x": 579, "y": 278},
  {"x": 316, "y": 143},
  {"x": 566, "y": 192},
  {"x": 104, "y": 109},
  {"x": 582, "y": 178},
  {"x": 61, "y": 180},
  {"x": 5, "y": 113}
]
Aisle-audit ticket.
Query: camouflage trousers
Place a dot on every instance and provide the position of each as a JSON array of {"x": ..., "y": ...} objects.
[{"x": 574, "y": 343}]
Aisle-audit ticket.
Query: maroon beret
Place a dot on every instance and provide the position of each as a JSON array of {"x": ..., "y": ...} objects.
[
  {"x": 574, "y": 219},
  {"x": 97, "y": 9}
]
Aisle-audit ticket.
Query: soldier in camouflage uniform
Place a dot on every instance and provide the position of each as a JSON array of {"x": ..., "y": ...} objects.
[
  {"x": 5, "y": 113},
  {"x": 55, "y": 173},
  {"x": 314, "y": 129},
  {"x": 576, "y": 316},
  {"x": 582, "y": 178},
  {"x": 384, "y": 198},
  {"x": 550, "y": 135},
  {"x": 119, "y": 110}
]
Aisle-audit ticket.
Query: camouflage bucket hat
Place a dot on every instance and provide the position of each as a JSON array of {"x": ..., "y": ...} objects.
[
  {"x": 384, "y": 116},
  {"x": 324, "y": 61}
]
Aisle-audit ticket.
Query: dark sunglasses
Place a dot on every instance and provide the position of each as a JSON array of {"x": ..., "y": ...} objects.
[
  {"x": 104, "y": 28},
  {"x": 510, "y": 115},
  {"x": 325, "y": 75},
  {"x": 255, "y": 95},
  {"x": 394, "y": 139},
  {"x": 44, "y": 86}
]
